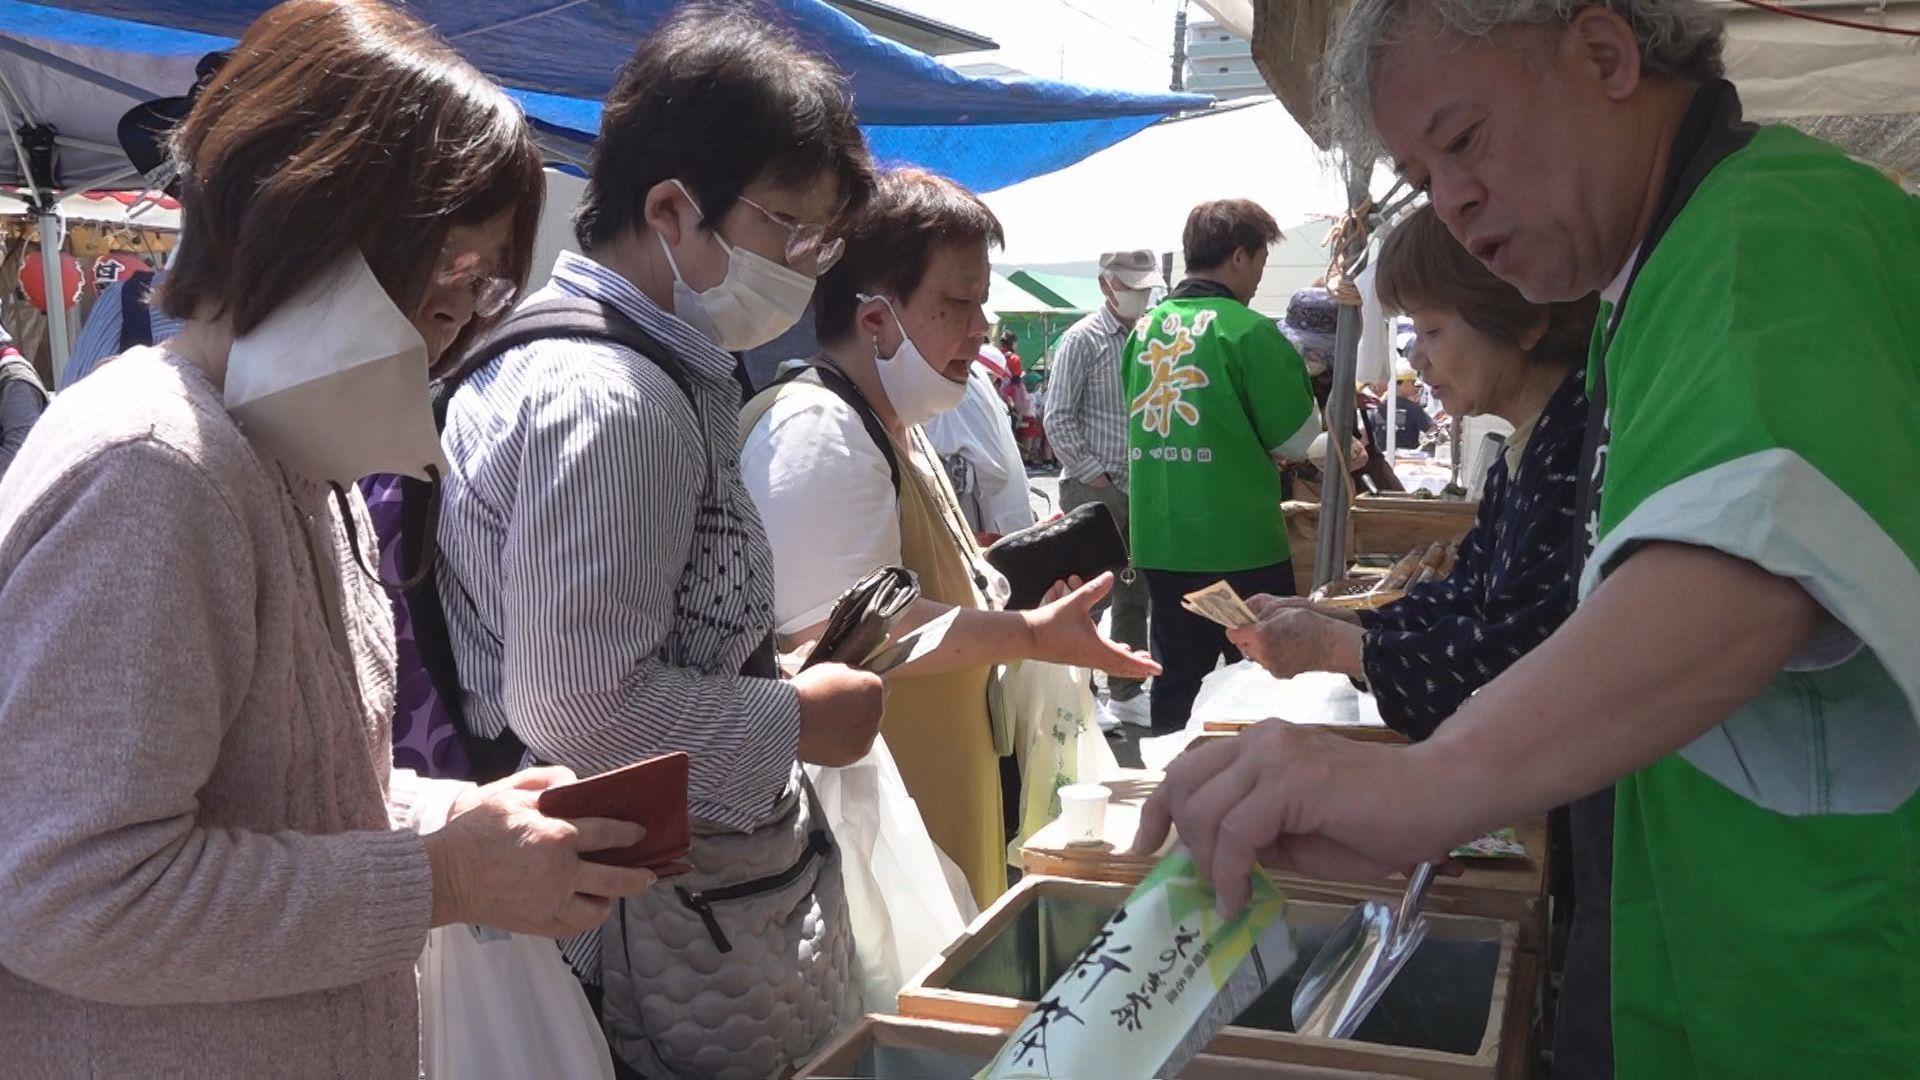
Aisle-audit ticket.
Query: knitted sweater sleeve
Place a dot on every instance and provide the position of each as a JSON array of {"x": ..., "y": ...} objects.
[{"x": 129, "y": 595}]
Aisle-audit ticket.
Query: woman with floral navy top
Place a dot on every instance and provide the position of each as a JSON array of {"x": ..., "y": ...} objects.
[{"x": 1482, "y": 348}]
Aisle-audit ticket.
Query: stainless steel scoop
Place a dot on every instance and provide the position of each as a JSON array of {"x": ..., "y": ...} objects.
[{"x": 1362, "y": 956}]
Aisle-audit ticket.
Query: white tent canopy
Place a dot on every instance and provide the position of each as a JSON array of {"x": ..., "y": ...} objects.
[
  {"x": 1788, "y": 68},
  {"x": 1137, "y": 194}
]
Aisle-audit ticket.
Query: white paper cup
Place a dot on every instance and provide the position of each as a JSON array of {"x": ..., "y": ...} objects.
[{"x": 1083, "y": 812}]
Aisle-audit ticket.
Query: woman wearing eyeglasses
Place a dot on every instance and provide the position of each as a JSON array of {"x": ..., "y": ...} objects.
[
  {"x": 607, "y": 585},
  {"x": 212, "y": 867}
]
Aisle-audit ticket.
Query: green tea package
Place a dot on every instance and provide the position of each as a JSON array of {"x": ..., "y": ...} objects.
[{"x": 1156, "y": 983}]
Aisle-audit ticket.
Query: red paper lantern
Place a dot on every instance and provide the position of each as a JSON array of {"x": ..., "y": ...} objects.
[
  {"x": 115, "y": 267},
  {"x": 33, "y": 280}
]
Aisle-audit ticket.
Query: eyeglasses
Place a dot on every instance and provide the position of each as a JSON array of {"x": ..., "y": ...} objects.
[
  {"x": 492, "y": 294},
  {"x": 809, "y": 249}
]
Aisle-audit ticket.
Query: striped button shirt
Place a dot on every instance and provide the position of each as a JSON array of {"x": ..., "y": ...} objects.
[
  {"x": 1086, "y": 404},
  {"x": 99, "y": 338},
  {"x": 604, "y": 571}
]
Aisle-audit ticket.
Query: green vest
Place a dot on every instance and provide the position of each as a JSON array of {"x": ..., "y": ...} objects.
[
  {"x": 1212, "y": 390},
  {"x": 1763, "y": 385}
]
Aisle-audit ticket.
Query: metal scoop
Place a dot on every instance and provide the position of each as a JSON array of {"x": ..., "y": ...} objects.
[{"x": 1359, "y": 960}]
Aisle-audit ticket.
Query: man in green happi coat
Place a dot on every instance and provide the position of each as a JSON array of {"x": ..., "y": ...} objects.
[{"x": 1743, "y": 669}]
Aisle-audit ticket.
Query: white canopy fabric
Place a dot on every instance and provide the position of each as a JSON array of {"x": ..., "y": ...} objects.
[
  {"x": 1137, "y": 194},
  {"x": 1235, "y": 15},
  {"x": 104, "y": 208},
  {"x": 1788, "y": 68}
]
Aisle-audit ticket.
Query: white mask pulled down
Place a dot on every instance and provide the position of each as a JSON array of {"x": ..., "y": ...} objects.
[
  {"x": 917, "y": 392},
  {"x": 757, "y": 301},
  {"x": 333, "y": 383}
]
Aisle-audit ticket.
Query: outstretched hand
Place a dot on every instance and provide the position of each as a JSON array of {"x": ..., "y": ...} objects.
[{"x": 1064, "y": 631}]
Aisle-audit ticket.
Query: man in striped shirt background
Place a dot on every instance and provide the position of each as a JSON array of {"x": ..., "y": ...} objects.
[{"x": 1086, "y": 420}]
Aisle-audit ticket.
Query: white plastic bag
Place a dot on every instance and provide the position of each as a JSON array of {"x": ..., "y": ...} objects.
[
  {"x": 1245, "y": 692},
  {"x": 906, "y": 899},
  {"x": 500, "y": 1006},
  {"x": 1057, "y": 740}
]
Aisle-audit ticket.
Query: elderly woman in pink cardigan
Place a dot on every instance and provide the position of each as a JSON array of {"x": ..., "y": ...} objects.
[{"x": 210, "y": 866}]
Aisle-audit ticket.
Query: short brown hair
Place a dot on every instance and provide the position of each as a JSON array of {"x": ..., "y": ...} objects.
[
  {"x": 1423, "y": 266},
  {"x": 339, "y": 124},
  {"x": 1215, "y": 230},
  {"x": 912, "y": 214},
  {"x": 718, "y": 97}
]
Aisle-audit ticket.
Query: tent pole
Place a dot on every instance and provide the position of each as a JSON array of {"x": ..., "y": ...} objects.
[
  {"x": 9, "y": 103},
  {"x": 75, "y": 70},
  {"x": 1393, "y": 410},
  {"x": 1331, "y": 554},
  {"x": 46, "y": 208},
  {"x": 51, "y": 242}
]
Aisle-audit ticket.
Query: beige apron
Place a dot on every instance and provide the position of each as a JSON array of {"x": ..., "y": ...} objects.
[{"x": 937, "y": 725}]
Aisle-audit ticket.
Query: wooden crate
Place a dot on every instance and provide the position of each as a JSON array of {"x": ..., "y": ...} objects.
[
  {"x": 1383, "y": 525},
  {"x": 1361, "y": 732},
  {"x": 1377, "y": 526},
  {"x": 1496, "y": 1047},
  {"x": 1513, "y": 890},
  {"x": 920, "y": 1049}
]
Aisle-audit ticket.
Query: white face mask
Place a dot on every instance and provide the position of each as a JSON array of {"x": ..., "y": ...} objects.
[
  {"x": 1130, "y": 304},
  {"x": 917, "y": 392},
  {"x": 757, "y": 301},
  {"x": 333, "y": 383}
]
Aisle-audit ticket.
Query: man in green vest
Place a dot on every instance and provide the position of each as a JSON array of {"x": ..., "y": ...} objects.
[
  {"x": 1744, "y": 664},
  {"x": 1215, "y": 399}
]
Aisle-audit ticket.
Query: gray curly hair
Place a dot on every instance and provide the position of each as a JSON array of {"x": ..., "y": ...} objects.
[{"x": 1679, "y": 39}]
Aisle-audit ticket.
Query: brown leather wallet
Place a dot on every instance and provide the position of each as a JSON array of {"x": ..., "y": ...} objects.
[{"x": 651, "y": 794}]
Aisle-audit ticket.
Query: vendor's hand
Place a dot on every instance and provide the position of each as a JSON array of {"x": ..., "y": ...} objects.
[
  {"x": 1292, "y": 640},
  {"x": 840, "y": 711},
  {"x": 501, "y": 862},
  {"x": 1296, "y": 800},
  {"x": 1063, "y": 632},
  {"x": 1265, "y": 604},
  {"x": 1101, "y": 482},
  {"x": 1357, "y": 460}
]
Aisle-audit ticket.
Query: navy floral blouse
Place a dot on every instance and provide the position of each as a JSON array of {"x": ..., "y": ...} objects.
[{"x": 1512, "y": 584}]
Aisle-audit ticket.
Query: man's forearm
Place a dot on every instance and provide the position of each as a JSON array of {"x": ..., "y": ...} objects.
[{"x": 1677, "y": 638}]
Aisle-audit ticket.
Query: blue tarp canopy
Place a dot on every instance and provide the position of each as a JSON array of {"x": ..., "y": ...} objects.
[{"x": 560, "y": 57}]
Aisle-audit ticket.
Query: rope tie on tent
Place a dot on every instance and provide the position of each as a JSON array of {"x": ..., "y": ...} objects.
[{"x": 1348, "y": 242}]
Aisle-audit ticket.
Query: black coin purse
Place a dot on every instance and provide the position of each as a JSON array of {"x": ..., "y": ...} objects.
[{"x": 1084, "y": 543}]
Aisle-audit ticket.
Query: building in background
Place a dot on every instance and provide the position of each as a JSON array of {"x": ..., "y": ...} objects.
[{"x": 1221, "y": 63}]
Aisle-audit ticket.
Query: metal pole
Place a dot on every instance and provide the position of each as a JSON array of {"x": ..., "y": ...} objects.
[
  {"x": 1393, "y": 407},
  {"x": 1456, "y": 433},
  {"x": 1180, "y": 48},
  {"x": 51, "y": 242},
  {"x": 1331, "y": 554}
]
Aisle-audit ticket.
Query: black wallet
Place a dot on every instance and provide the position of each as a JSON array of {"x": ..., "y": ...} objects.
[
  {"x": 864, "y": 617},
  {"x": 1084, "y": 543}
]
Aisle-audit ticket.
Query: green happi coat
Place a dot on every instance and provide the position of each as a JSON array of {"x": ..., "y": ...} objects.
[
  {"x": 1762, "y": 388},
  {"x": 1214, "y": 394}
]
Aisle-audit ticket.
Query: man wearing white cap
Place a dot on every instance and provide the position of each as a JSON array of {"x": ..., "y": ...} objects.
[{"x": 1086, "y": 418}]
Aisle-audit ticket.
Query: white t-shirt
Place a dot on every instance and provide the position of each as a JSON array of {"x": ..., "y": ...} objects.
[
  {"x": 980, "y": 429},
  {"x": 826, "y": 496}
]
